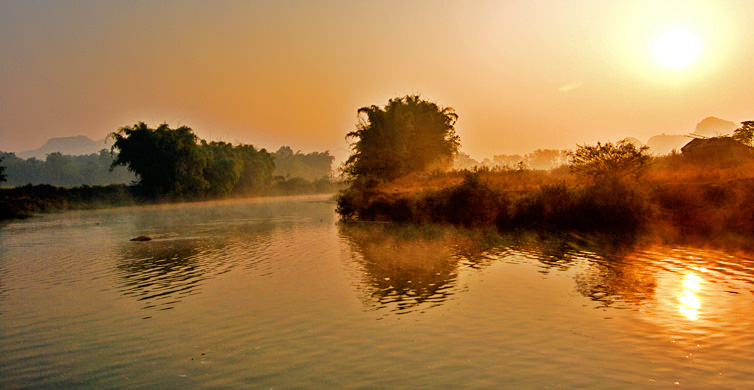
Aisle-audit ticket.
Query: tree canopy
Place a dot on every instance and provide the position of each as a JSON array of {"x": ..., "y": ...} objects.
[
  {"x": 172, "y": 162},
  {"x": 407, "y": 135},
  {"x": 167, "y": 161},
  {"x": 606, "y": 161},
  {"x": 2, "y": 171},
  {"x": 64, "y": 170},
  {"x": 745, "y": 133},
  {"x": 310, "y": 166}
]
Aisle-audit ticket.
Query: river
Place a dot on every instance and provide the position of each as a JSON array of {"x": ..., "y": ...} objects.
[{"x": 276, "y": 293}]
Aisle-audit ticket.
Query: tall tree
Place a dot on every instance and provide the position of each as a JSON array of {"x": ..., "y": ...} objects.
[
  {"x": 407, "y": 135},
  {"x": 258, "y": 166},
  {"x": 167, "y": 161},
  {"x": 223, "y": 167}
]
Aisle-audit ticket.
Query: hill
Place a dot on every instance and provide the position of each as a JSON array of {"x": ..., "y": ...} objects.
[{"x": 74, "y": 146}]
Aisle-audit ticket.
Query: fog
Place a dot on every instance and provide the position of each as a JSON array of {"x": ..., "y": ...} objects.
[{"x": 522, "y": 76}]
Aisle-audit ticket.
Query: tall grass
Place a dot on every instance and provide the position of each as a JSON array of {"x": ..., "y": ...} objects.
[{"x": 677, "y": 197}]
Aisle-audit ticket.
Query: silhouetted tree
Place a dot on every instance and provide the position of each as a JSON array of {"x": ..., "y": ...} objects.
[
  {"x": 310, "y": 166},
  {"x": 223, "y": 167},
  {"x": 745, "y": 133},
  {"x": 609, "y": 160},
  {"x": 508, "y": 161},
  {"x": 543, "y": 158},
  {"x": 407, "y": 135},
  {"x": 65, "y": 170},
  {"x": 57, "y": 168},
  {"x": 2, "y": 172},
  {"x": 167, "y": 161},
  {"x": 256, "y": 171}
]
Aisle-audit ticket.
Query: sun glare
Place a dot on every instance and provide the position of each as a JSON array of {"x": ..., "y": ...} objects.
[{"x": 677, "y": 48}]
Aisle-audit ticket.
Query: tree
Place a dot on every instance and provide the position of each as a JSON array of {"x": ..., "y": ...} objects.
[
  {"x": 256, "y": 171},
  {"x": 407, "y": 135},
  {"x": 223, "y": 167},
  {"x": 3, "y": 178},
  {"x": 311, "y": 166},
  {"x": 59, "y": 170},
  {"x": 167, "y": 161},
  {"x": 543, "y": 158},
  {"x": 745, "y": 133},
  {"x": 609, "y": 161}
]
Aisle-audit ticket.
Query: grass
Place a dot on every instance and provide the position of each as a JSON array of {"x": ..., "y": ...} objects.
[{"x": 676, "y": 197}]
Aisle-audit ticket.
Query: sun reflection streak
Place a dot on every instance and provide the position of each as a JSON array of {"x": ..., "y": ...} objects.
[{"x": 689, "y": 303}]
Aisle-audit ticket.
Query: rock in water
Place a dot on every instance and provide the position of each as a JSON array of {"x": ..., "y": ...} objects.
[{"x": 142, "y": 238}]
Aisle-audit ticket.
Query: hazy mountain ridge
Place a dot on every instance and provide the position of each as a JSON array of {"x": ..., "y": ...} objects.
[
  {"x": 658, "y": 144},
  {"x": 707, "y": 127},
  {"x": 72, "y": 146}
]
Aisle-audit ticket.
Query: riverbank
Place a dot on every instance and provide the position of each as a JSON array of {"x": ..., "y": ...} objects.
[
  {"x": 28, "y": 200},
  {"x": 677, "y": 198}
]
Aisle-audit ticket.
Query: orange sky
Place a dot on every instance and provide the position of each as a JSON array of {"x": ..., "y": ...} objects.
[{"x": 521, "y": 75}]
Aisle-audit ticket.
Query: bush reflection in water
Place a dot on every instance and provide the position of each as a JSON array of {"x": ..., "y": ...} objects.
[{"x": 413, "y": 267}]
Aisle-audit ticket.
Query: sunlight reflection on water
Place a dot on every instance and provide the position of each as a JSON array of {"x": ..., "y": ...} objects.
[{"x": 690, "y": 304}]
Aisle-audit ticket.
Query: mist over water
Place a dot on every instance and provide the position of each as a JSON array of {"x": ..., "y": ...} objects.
[{"x": 275, "y": 293}]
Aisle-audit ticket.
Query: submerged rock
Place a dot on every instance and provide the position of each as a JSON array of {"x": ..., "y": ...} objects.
[{"x": 142, "y": 238}]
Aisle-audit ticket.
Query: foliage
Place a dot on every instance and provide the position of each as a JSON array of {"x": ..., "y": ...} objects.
[
  {"x": 407, "y": 135},
  {"x": 24, "y": 201},
  {"x": 544, "y": 158},
  {"x": 609, "y": 161},
  {"x": 3, "y": 177},
  {"x": 167, "y": 161},
  {"x": 507, "y": 160},
  {"x": 310, "y": 166},
  {"x": 256, "y": 172},
  {"x": 223, "y": 169},
  {"x": 471, "y": 203},
  {"x": 64, "y": 170},
  {"x": 745, "y": 133},
  {"x": 173, "y": 162}
]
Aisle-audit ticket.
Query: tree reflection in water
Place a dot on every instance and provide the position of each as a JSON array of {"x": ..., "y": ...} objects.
[
  {"x": 164, "y": 271},
  {"x": 407, "y": 267}
]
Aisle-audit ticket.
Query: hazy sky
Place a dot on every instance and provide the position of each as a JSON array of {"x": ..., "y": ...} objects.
[{"x": 521, "y": 75}]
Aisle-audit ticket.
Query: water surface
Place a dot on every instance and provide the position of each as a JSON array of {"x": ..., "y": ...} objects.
[{"x": 274, "y": 293}]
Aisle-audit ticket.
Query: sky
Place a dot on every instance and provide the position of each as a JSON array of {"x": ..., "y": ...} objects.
[{"x": 521, "y": 75}]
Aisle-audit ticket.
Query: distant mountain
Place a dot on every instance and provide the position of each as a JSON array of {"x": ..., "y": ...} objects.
[
  {"x": 713, "y": 127},
  {"x": 708, "y": 127},
  {"x": 75, "y": 146},
  {"x": 664, "y": 144}
]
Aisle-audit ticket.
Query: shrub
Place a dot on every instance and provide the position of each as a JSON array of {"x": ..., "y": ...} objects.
[{"x": 609, "y": 161}]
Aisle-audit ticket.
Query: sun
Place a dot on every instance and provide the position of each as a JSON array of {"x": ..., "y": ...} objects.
[{"x": 677, "y": 48}]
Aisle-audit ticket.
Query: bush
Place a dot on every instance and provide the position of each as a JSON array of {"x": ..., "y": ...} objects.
[
  {"x": 471, "y": 203},
  {"x": 609, "y": 161}
]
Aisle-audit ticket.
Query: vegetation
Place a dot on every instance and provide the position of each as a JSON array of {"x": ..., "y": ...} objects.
[
  {"x": 20, "y": 202},
  {"x": 408, "y": 135},
  {"x": 610, "y": 161},
  {"x": 745, "y": 133},
  {"x": 3, "y": 178},
  {"x": 64, "y": 170},
  {"x": 616, "y": 189},
  {"x": 166, "y": 164},
  {"x": 166, "y": 161},
  {"x": 311, "y": 166}
]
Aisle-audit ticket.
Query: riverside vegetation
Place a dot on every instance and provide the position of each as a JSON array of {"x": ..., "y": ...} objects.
[
  {"x": 162, "y": 165},
  {"x": 398, "y": 172}
]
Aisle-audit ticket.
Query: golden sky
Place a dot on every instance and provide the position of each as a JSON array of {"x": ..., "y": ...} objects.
[{"x": 521, "y": 75}]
